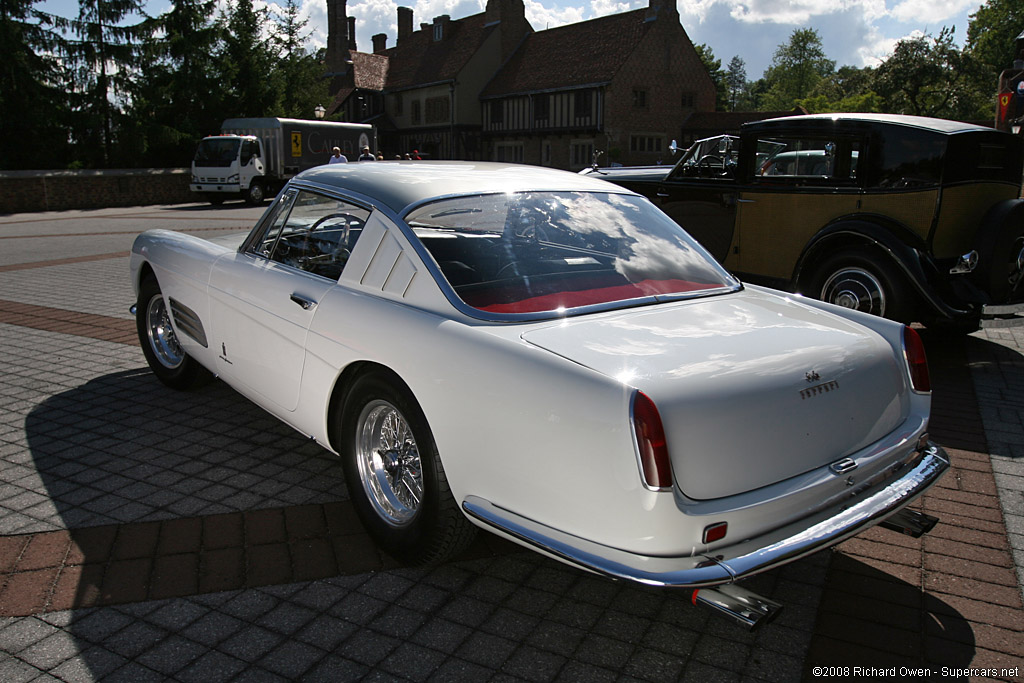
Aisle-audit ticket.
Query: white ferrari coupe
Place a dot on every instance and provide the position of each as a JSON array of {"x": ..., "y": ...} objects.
[{"x": 549, "y": 357}]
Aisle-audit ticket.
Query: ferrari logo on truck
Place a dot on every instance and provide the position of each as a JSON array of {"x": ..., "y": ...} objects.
[{"x": 296, "y": 143}]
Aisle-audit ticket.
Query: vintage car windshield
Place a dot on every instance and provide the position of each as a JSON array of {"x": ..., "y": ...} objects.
[{"x": 539, "y": 252}]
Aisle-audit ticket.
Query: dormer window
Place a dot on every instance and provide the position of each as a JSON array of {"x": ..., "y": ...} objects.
[{"x": 438, "y": 32}]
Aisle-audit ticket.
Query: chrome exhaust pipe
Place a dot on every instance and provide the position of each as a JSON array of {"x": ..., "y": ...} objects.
[
  {"x": 748, "y": 608},
  {"x": 910, "y": 522}
]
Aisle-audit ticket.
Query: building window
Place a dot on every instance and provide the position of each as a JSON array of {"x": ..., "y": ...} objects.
[
  {"x": 497, "y": 112},
  {"x": 645, "y": 143},
  {"x": 640, "y": 99},
  {"x": 541, "y": 108},
  {"x": 438, "y": 32},
  {"x": 437, "y": 109},
  {"x": 581, "y": 154},
  {"x": 689, "y": 100},
  {"x": 583, "y": 103},
  {"x": 509, "y": 152}
]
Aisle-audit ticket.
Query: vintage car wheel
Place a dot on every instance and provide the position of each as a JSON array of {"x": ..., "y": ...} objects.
[
  {"x": 863, "y": 280},
  {"x": 159, "y": 342},
  {"x": 395, "y": 477},
  {"x": 255, "y": 195},
  {"x": 1000, "y": 269}
]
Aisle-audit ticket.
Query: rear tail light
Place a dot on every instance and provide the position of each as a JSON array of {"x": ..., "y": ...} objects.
[
  {"x": 917, "y": 363},
  {"x": 650, "y": 442}
]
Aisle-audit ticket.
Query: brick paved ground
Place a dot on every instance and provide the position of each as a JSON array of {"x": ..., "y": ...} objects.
[{"x": 151, "y": 535}]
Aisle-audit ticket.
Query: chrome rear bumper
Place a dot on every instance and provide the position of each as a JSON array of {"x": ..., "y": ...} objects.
[{"x": 728, "y": 564}]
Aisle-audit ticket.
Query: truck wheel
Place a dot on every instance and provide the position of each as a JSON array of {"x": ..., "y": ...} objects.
[
  {"x": 863, "y": 279},
  {"x": 255, "y": 195}
]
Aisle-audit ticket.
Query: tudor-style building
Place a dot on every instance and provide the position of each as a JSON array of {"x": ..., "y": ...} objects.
[{"x": 490, "y": 87}]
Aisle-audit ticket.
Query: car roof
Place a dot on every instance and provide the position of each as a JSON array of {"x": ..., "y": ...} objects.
[
  {"x": 923, "y": 122},
  {"x": 400, "y": 185}
]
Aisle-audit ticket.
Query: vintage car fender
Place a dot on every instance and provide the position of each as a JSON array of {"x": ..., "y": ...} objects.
[{"x": 903, "y": 249}]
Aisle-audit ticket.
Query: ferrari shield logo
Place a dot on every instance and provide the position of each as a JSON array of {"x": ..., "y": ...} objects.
[{"x": 296, "y": 143}]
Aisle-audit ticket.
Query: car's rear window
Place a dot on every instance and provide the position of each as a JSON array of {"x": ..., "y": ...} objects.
[{"x": 539, "y": 252}]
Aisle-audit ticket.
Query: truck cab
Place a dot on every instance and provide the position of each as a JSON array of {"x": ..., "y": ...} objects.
[{"x": 230, "y": 167}]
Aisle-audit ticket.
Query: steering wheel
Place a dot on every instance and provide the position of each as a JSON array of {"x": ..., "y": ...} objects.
[{"x": 709, "y": 158}]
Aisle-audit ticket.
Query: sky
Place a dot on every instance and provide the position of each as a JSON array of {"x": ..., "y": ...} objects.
[{"x": 853, "y": 32}]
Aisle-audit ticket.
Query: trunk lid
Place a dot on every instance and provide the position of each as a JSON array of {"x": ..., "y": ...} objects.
[{"x": 752, "y": 388}]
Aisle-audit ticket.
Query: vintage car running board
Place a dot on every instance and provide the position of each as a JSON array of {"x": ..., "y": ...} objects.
[
  {"x": 748, "y": 608},
  {"x": 910, "y": 522}
]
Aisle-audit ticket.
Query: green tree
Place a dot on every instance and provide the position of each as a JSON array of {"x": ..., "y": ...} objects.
[
  {"x": 847, "y": 89},
  {"x": 178, "y": 97},
  {"x": 33, "y": 106},
  {"x": 796, "y": 69},
  {"x": 249, "y": 59},
  {"x": 300, "y": 72},
  {"x": 718, "y": 75},
  {"x": 991, "y": 33},
  {"x": 931, "y": 76},
  {"x": 735, "y": 81},
  {"x": 104, "y": 61}
]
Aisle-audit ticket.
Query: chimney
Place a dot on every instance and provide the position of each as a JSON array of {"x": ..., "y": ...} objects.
[
  {"x": 511, "y": 15},
  {"x": 404, "y": 22},
  {"x": 380, "y": 43},
  {"x": 423, "y": 26},
  {"x": 666, "y": 9},
  {"x": 351, "y": 33},
  {"x": 337, "y": 38}
]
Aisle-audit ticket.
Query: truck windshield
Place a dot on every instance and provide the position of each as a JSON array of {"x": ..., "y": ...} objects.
[{"x": 217, "y": 151}]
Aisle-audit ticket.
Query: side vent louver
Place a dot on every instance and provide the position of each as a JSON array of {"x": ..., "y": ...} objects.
[{"x": 188, "y": 322}]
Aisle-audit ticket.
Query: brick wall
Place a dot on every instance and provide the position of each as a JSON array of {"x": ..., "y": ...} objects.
[
  {"x": 664, "y": 66},
  {"x": 24, "y": 191}
]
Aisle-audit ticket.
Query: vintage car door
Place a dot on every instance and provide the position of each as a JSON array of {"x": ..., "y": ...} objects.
[
  {"x": 700, "y": 194},
  {"x": 264, "y": 296},
  {"x": 796, "y": 185}
]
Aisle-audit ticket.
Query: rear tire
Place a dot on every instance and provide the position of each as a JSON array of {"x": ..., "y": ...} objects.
[
  {"x": 394, "y": 474},
  {"x": 864, "y": 279},
  {"x": 159, "y": 342}
]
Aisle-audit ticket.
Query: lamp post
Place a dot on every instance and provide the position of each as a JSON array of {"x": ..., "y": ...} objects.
[{"x": 319, "y": 111}]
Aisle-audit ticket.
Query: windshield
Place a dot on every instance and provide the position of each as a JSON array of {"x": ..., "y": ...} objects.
[
  {"x": 537, "y": 252},
  {"x": 217, "y": 151},
  {"x": 711, "y": 157}
]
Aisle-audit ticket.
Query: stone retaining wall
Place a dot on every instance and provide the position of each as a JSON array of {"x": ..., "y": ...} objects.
[{"x": 23, "y": 191}]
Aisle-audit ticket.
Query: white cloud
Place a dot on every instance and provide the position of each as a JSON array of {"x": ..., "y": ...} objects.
[{"x": 931, "y": 11}]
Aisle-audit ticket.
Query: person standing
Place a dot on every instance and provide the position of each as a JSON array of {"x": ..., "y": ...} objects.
[
  {"x": 366, "y": 156},
  {"x": 337, "y": 157}
]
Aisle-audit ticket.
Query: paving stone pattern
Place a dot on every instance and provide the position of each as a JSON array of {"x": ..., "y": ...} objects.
[{"x": 147, "y": 534}]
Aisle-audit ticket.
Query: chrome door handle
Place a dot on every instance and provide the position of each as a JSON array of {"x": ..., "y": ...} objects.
[
  {"x": 746, "y": 201},
  {"x": 661, "y": 194},
  {"x": 306, "y": 304}
]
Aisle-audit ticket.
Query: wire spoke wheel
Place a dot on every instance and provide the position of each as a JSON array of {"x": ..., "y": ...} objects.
[
  {"x": 160, "y": 334},
  {"x": 390, "y": 468}
]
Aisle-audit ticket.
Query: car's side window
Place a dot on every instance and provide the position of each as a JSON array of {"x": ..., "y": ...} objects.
[
  {"x": 806, "y": 159},
  {"x": 319, "y": 234}
]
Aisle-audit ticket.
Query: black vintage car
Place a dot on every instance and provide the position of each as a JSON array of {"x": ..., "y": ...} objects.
[{"x": 914, "y": 219}]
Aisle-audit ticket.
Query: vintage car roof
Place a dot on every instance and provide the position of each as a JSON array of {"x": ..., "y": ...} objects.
[
  {"x": 398, "y": 185},
  {"x": 923, "y": 122}
]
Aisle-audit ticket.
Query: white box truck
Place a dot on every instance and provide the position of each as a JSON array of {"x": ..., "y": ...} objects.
[{"x": 252, "y": 158}]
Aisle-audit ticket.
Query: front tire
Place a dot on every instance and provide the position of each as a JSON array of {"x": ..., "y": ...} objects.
[
  {"x": 159, "y": 342},
  {"x": 864, "y": 279},
  {"x": 255, "y": 194},
  {"x": 394, "y": 474}
]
